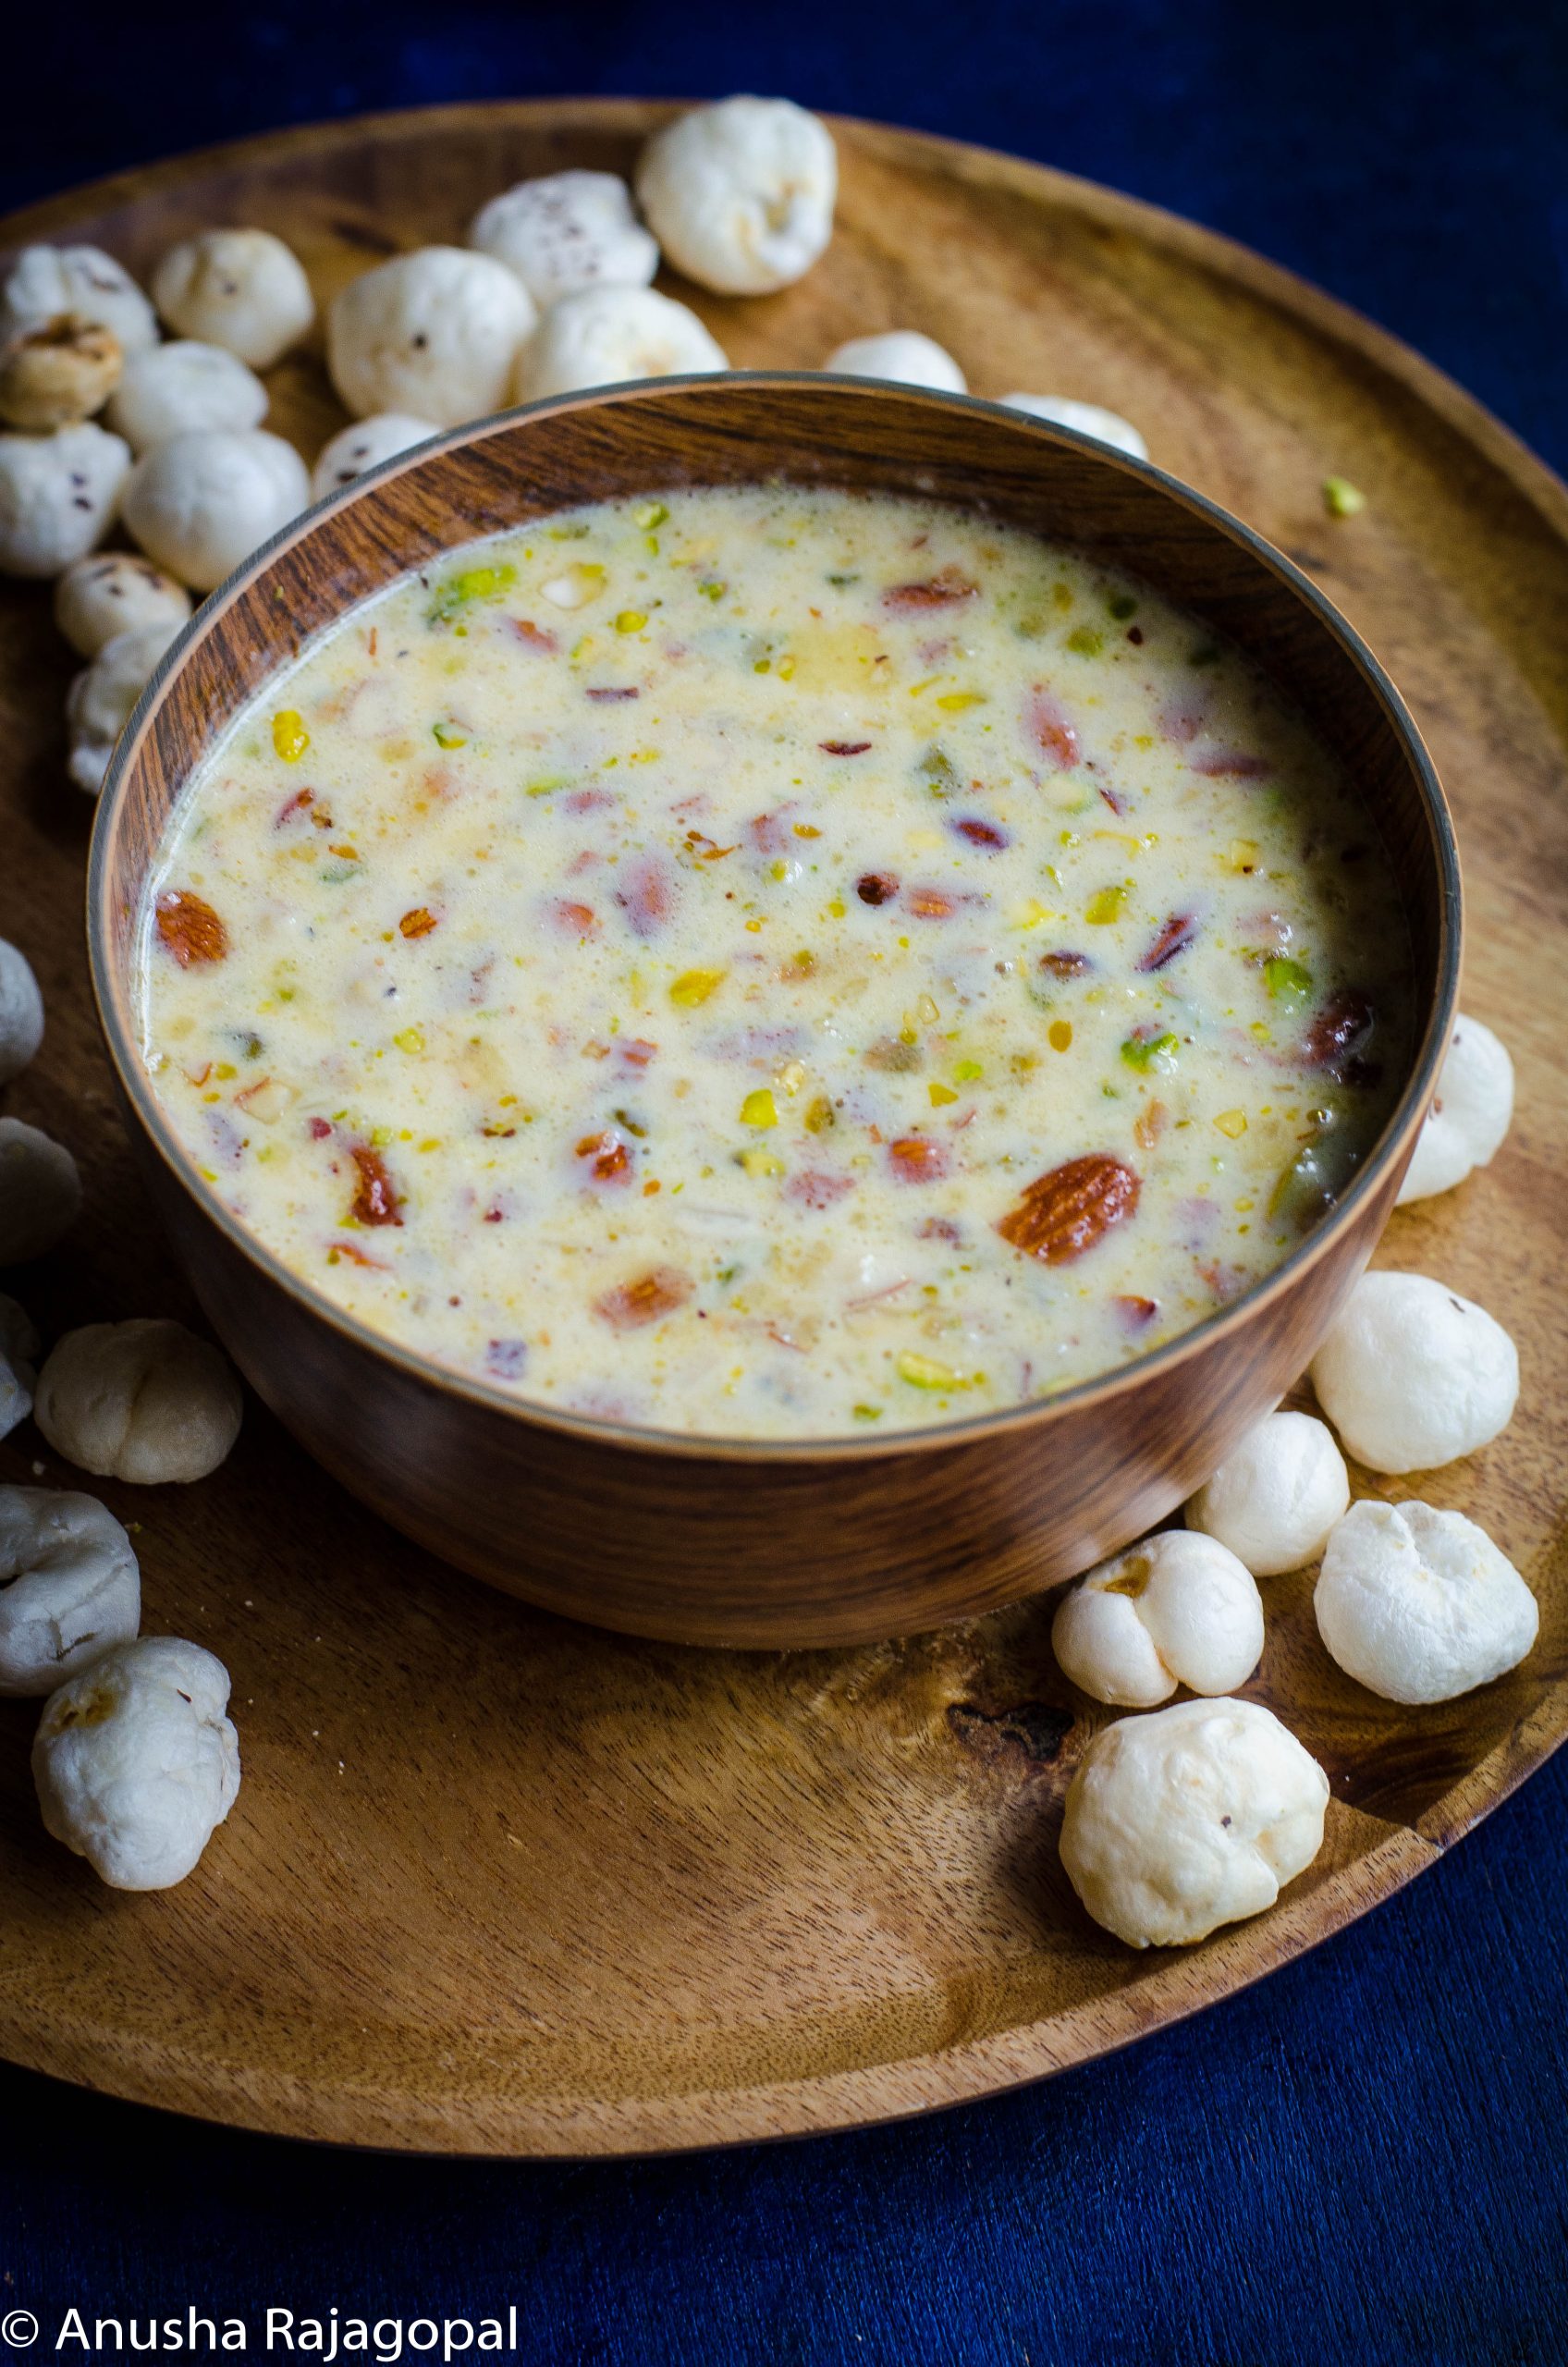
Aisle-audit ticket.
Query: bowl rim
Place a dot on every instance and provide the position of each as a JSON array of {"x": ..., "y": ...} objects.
[{"x": 1398, "y": 1130}]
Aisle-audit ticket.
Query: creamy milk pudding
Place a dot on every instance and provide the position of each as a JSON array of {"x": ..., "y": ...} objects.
[{"x": 773, "y": 963}]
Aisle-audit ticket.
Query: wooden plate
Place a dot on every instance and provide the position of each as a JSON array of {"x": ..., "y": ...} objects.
[{"x": 498, "y": 1884}]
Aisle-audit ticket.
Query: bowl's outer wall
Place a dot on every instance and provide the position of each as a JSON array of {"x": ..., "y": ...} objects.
[{"x": 792, "y": 1548}]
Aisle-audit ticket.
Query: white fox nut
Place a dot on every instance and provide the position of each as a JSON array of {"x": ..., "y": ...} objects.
[
  {"x": 181, "y": 385},
  {"x": 1089, "y": 419},
  {"x": 740, "y": 195},
  {"x": 1472, "y": 1110},
  {"x": 43, "y": 282},
  {"x": 111, "y": 592},
  {"x": 1419, "y": 1605},
  {"x": 1413, "y": 1376},
  {"x": 1195, "y": 1817},
  {"x": 433, "y": 334},
  {"x": 1175, "y": 1609},
  {"x": 365, "y": 446},
  {"x": 22, "y": 1011},
  {"x": 19, "y": 1347},
  {"x": 607, "y": 334},
  {"x": 58, "y": 497},
  {"x": 567, "y": 231},
  {"x": 100, "y": 699},
  {"x": 136, "y": 1764},
  {"x": 70, "y": 1586},
  {"x": 242, "y": 290},
  {"x": 144, "y": 1401},
  {"x": 1276, "y": 1496},
  {"x": 201, "y": 503},
  {"x": 902, "y": 355},
  {"x": 39, "y": 1192},
  {"x": 55, "y": 375}
]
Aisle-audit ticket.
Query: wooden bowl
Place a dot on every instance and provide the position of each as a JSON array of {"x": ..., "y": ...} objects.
[{"x": 732, "y": 1542}]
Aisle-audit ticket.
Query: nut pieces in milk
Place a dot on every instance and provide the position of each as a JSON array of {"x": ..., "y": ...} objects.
[
  {"x": 145, "y": 1400},
  {"x": 1190, "y": 1818},
  {"x": 70, "y": 1586},
  {"x": 136, "y": 1764},
  {"x": 1419, "y": 1605},
  {"x": 1175, "y": 1609}
]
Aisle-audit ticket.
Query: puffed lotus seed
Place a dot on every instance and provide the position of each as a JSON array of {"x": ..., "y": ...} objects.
[
  {"x": 241, "y": 289},
  {"x": 43, "y": 282},
  {"x": 100, "y": 700},
  {"x": 567, "y": 231},
  {"x": 136, "y": 1764},
  {"x": 433, "y": 334},
  {"x": 19, "y": 1348},
  {"x": 22, "y": 1011},
  {"x": 1419, "y": 1605},
  {"x": 740, "y": 195},
  {"x": 39, "y": 1192},
  {"x": 59, "y": 496},
  {"x": 183, "y": 385},
  {"x": 1089, "y": 419},
  {"x": 114, "y": 591},
  {"x": 203, "y": 502},
  {"x": 55, "y": 375},
  {"x": 1413, "y": 1376},
  {"x": 1472, "y": 1110},
  {"x": 902, "y": 355},
  {"x": 144, "y": 1401},
  {"x": 365, "y": 446},
  {"x": 1276, "y": 1496},
  {"x": 608, "y": 335},
  {"x": 1175, "y": 1609},
  {"x": 1192, "y": 1817},
  {"x": 70, "y": 1586}
]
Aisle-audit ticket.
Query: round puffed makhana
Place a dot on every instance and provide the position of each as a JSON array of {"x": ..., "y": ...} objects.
[
  {"x": 45, "y": 282},
  {"x": 241, "y": 289},
  {"x": 1472, "y": 1110},
  {"x": 22, "y": 1011},
  {"x": 434, "y": 334},
  {"x": 184, "y": 386},
  {"x": 1419, "y": 1605},
  {"x": 144, "y": 1401},
  {"x": 902, "y": 355},
  {"x": 365, "y": 446},
  {"x": 740, "y": 195},
  {"x": 115, "y": 592},
  {"x": 567, "y": 231},
  {"x": 19, "y": 1347},
  {"x": 70, "y": 1586},
  {"x": 1089, "y": 419},
  {"x": 59, "y": 495},
  {"x": 203, "y": 502},
  {"x": 55, "y": 375},
  {"x": 1174, "y": 1610},
  {"x": 1276, "y": 1496},
  {"x": 608, "y": 335},
  {"x": 100, "y": 700},
  {"x": 1190, "y": 1818},
  {"x": 136, "y": 1764},
  {"x": 1413, "y": 1376},
  {"x": 39, "y": 1192}
]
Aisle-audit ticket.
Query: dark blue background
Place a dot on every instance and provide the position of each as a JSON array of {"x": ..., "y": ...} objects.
[{"x": 1366, "y": 2160}]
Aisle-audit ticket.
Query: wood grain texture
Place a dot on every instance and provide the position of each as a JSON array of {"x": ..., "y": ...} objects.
[
  {"x": 764, "y": 1544},
  {"x": 497, "y": 1882}
]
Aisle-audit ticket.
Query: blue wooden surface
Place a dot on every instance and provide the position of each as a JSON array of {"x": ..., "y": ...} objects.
[{"x": 1366, "y": 2159}]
